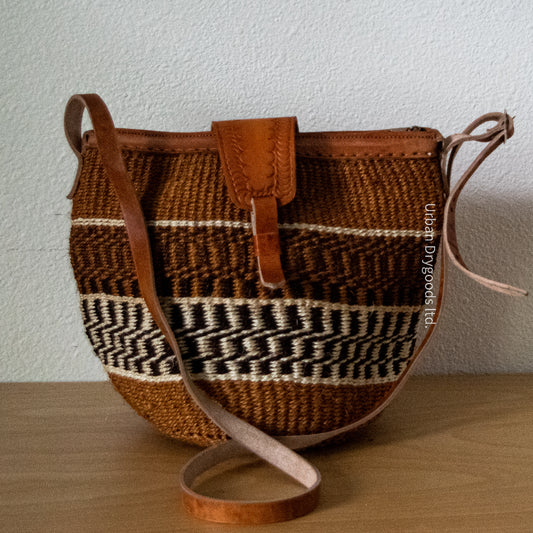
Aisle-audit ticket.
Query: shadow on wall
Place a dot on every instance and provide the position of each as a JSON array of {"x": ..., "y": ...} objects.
[{"x": 482, "y": 331}]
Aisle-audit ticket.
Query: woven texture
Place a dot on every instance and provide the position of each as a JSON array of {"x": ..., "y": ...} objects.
[{"x": 315, "y": 355}]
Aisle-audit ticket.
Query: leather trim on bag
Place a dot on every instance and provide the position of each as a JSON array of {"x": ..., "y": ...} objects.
[{"x": 381, "y": 143}]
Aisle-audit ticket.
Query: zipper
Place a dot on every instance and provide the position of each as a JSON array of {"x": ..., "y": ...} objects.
[{"x": 411, "y": 128}]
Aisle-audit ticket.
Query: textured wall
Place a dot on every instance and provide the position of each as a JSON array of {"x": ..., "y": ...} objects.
[{"x": 336, "y": 65}]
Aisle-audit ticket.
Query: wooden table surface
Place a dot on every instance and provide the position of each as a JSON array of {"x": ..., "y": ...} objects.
[{"x": 450, "y": 454}]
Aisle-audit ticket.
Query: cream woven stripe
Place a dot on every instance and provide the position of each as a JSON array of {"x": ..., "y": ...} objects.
[
  {"x": 254, "y": 378},
  {"x": 361, "y": 232},
  {"x": 301, "y": 302}
]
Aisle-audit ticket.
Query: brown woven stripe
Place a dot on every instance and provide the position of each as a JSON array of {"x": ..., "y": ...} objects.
[
  {"x": 277, "y": 408},
  {"x": 386, "y": 194},
  {"x": 354, "y": 193},
  {"x": 220, "y": 262},
  {"x": 186, "y": 186}
]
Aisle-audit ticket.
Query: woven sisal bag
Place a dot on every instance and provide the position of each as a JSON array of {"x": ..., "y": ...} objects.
[{"x": 255, "y": 282}]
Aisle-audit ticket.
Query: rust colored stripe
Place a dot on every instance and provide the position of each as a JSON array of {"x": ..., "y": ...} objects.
[{"x": 276, "y": 408}]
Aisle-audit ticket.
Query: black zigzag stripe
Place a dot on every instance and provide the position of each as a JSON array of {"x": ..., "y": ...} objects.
[{"x": 255, "y": 339}]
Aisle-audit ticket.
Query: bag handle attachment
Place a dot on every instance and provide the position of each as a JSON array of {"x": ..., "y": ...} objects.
[
  {"x": 494, "y": 136},
  {"x": 245, "y": 438}
]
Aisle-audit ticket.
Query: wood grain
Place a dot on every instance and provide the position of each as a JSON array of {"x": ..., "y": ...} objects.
[{"x": 451, "y": 454}]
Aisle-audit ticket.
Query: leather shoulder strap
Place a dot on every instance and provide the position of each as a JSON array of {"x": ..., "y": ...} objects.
[{"x": 245, "y": 436}]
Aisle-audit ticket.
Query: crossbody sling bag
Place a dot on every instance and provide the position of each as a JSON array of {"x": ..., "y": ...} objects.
[{"x": 258, "y": 290}]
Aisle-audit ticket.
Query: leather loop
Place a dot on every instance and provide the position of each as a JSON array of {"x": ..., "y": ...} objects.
[
  {"x": 494, "y": 136},
  {"x": 266, "y": 241},
  {"x": 235, "y": 511}
]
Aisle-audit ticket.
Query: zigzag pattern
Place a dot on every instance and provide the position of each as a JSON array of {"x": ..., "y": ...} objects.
[
  {"x": 261, "y": 340},
  {"x": 220, "y": 261}
]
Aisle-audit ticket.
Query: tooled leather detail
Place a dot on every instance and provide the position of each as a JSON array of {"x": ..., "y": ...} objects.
[
  {"x": 259, "y": 165},
  {"x": 241, "y": 172},
  {"x": 285, "y": 165},
  {"x": 258, "y": 159}
]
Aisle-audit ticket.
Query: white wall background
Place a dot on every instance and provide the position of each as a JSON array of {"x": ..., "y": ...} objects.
[{"x": 178, "y": 65}]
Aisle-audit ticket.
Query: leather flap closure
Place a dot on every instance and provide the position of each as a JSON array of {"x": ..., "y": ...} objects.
[{"x": 258, "y": 158}]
